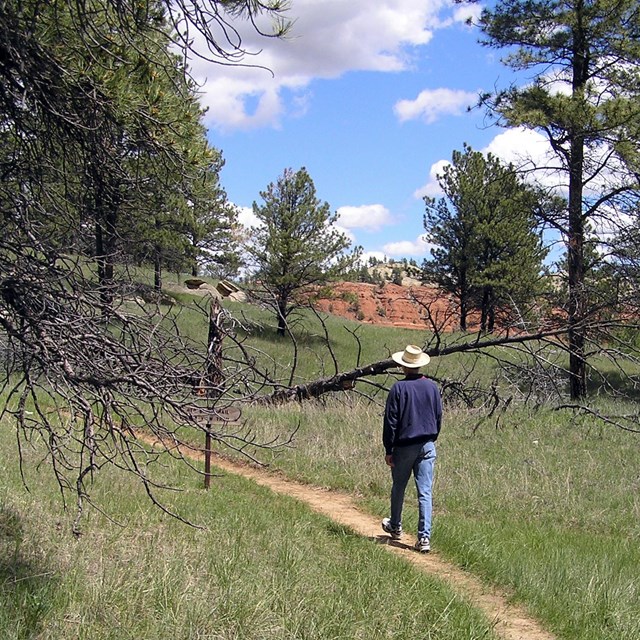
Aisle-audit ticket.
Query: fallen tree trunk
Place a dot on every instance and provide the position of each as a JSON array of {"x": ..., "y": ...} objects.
[
  {"x": 345, "y": 381},
  {"x": 316, "y": 388}
]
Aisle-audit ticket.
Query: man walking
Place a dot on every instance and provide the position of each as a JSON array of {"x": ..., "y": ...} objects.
[{"x": 412, "y": 420}]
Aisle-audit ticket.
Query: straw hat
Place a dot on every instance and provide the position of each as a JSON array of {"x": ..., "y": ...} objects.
[{"x": 412, "y": 357}]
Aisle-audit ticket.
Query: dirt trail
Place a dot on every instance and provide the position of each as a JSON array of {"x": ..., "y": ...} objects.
[{"x": 510, "y": 621}]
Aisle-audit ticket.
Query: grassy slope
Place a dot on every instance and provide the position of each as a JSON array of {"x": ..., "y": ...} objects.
[{"x": 543, "y": 506}]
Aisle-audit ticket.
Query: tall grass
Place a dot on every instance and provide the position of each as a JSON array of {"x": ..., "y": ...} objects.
[
  {"x": 263, "y": 567},
  {"x": 325, "y": 345},
  {"x": 541, "y": 504}
]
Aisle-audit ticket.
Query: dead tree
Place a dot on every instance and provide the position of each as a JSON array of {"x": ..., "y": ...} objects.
[{"x": 86, "y": 365}]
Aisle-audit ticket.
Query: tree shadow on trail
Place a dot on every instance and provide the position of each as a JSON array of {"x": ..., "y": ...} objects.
[{"x": 27, "y": 587}]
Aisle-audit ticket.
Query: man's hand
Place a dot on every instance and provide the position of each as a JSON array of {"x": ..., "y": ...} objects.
[{"x": 389, "y": 460}]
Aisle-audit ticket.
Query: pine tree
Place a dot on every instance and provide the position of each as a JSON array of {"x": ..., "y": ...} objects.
[
  {"x": 296, "y": 246},
  {"x": 488, "y": 253},
  {"x": 584, "y": 58}
]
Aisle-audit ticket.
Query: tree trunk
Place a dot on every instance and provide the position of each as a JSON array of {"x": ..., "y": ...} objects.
[
  {"x": 488, "y": 313},
  {"x": 345, "y": 381},
  {"x": 463, "y": 316},
  {"x": 157, "y": 260},
  {"x": 491, "y": 321},
  {"x": 99, "y": 252},
  {"x": 157, "y": 271},
  {"x": 575, "y": 250},
  {"x": 484, "y": 308},
  {"x": 213, "y": 371},
  {"x": 339, "y": 382},
  {"x": 282, "y": 317},
  {"x": 105, "y": 256},
  {"x": 464, "y": 302},
  {"x": 577, "y": 292}
]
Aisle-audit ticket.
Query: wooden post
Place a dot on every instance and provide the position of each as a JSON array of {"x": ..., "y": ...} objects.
[
  {"x": 213, "y": 373},
  {"x": 213, "y": 378},
  {"x": 224, "y": 416},
  {"x": 207, "y": 456}
]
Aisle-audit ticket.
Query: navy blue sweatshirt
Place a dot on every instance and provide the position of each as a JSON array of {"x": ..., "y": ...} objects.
[{"x": 413, "y": 412}]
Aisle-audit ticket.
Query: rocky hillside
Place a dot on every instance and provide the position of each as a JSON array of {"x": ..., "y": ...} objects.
[{"x": 411, "y": 307}]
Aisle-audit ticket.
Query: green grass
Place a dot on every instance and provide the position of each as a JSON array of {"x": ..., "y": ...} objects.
[
  {"x": 539, "y": 502},
  {"x": 352, "y": 343},
  {"x": 545, "y": 506},
  {"x": 263, "y": 567},
  {"x": 549, "y": 509}
]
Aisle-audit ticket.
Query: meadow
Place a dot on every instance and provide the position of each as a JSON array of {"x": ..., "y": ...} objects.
[
  {"x": 544, "y": 506},
  {"x": 540, "y": 502},
  {"x": 259, "y": 566}
]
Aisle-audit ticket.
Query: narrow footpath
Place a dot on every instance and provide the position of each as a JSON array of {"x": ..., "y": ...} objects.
[{"x": 511, "y": 622}]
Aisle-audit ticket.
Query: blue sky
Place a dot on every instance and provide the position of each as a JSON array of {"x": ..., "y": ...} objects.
[{"x": 371, "y": 97}]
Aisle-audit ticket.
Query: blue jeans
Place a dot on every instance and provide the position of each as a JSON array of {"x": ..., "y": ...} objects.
[{"x": 419, "y": 459}]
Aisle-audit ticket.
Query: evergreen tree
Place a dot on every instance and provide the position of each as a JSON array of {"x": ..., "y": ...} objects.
[
  {"x": 212, "y": 227},
  {"x": 296, "y": 246},
  {"x": 97, "y": 115},
  {"x": 396, "y": 275},
  {"x": 584, "y": 57},
  {"x": 488, "y": 253}
]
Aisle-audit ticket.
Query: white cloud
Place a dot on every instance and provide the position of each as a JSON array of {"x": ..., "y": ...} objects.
[
  {"x": 530, "y": 152},
  {"x": 371, "y": 217},
  {"x": 467, "y": 12},
  {"x": 521, "y": 147},
  {"x": 247, "y": 218},
  {"x": 404, "y": 248},
  {"x": 433, "y": 103},
  {"x": 432, "y": 188},
  {"x": 239, "y": 105},
  {"x": 378, "y": 255},
  {"x": 328, "y": 39},
  {"x": 524, "y": 148}
]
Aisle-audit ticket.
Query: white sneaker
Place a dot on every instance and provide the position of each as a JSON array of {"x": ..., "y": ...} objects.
[
  {"x": 394, "y": 532},
  {"x": 423, "y": 545}
]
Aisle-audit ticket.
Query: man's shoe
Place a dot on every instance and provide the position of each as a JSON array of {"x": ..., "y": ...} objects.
[
  {"x": 422, "y": 545},
  {"x": 394, "y": 532}
]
